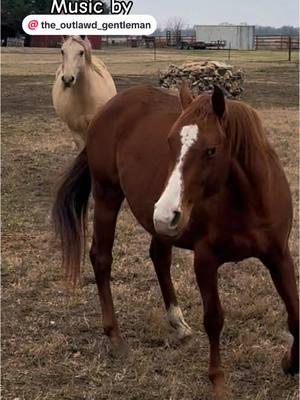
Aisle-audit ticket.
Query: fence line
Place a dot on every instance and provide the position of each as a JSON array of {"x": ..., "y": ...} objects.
[{"x": 276, "y": 42}]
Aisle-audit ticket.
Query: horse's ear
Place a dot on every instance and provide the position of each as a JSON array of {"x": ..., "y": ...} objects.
[
  {"x": 86, "y": 41},
  {"x": 218, "y": 101},
  {"x": 185, "y": 95},
  {"x": 65, "y": 37}
]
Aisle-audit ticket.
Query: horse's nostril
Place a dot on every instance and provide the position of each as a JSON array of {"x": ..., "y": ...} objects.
[
  {"x": 176, "y": 218},
  {"x": 68, "y": 80}
]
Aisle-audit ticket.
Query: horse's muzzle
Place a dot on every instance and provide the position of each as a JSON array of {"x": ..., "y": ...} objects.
[
  {"x": 68, "y": 80},
  {"x": 167, "y": 224}
]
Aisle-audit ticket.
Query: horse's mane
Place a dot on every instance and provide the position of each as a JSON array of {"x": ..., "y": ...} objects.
[
  {"x": 246, "y": 135},
  {"x": 96, "y": 64}
]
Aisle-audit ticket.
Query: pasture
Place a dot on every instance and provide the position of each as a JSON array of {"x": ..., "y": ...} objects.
[{"x": 52, "y": 341}]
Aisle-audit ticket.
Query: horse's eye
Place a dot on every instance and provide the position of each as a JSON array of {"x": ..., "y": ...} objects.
[
  {"x": 62, "y": 52},
  {"x": 210, "y": 152},
  {"x": 81, "y": 53}
]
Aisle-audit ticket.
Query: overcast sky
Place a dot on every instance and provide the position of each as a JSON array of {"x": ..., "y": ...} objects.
[{"x": 193, "y": 12}]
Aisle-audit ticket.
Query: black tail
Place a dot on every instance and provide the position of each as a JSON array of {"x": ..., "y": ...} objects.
[{"x": 69, "y": 215}]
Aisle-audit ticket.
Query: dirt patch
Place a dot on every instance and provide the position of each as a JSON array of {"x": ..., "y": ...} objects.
[
  {"x": 272, "y": 85},
  {"x": 53, "y": 347},
  {"x": 265, "y": 86},
  {"x": 27, "y": 90}
]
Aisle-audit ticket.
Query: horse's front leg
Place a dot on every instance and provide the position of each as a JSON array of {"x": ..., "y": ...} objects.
[
  {"x": 78, "y": 141},
  {"x": 107, "y": 205},
  {"x": 206, "y": 269},
  {"x": 161, "y": 256}
]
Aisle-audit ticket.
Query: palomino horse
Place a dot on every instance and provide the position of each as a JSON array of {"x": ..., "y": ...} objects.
[
  {"x": 197, "y": 174},
  {"x": 82, "y": 86}
]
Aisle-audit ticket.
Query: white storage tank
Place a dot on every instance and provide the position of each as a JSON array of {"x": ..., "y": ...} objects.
[{"x": 239, "y": 37}]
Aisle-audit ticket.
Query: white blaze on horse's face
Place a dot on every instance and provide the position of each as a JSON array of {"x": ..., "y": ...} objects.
[
  {"x": 73, "y": 61},
  {"x": 167, "y": 210}
]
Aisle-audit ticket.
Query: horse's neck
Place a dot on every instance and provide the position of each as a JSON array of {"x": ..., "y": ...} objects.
[
  {"x": 86, "y": 89},
  {"x": 248, "y": 189},
  {"x": 84, "y": 82}
]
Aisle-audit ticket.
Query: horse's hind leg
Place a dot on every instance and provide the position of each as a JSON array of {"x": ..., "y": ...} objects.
[
  {"x": 108, "y": 201},
  {"x": 282, "y": 272},
  {"x": 161, "y": 255}
]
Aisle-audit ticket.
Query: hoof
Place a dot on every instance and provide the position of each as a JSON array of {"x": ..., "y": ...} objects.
[
  {"x": 185, "y": 335},
  {"x": 288, "y": 367},
  {"x": 220, "y": 389},
  {"x": 119, "y": 350},
  {"x": 221, "y": 392},
  {"x": 176, "y": 320}
]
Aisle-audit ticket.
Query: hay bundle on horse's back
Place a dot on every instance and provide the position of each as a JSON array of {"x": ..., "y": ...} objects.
[
  {"x": 82, "y": 86},
  {"x": 201, "y": 77}
]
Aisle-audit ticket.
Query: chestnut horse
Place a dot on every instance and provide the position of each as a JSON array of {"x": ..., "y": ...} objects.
[{"x": 197, "y": 174}]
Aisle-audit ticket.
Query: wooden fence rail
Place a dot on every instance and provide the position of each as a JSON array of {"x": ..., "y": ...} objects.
[{"x": 276, "y": 42}]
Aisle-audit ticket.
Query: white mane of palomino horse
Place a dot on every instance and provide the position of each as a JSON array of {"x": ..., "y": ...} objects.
[{"x": 82, "y": 86}]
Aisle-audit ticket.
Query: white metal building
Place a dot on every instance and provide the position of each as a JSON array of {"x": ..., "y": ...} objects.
[{"x": 240, "y": 37}]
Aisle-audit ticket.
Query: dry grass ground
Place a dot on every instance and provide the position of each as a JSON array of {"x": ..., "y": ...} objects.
[{"x": 53, "y": 346}]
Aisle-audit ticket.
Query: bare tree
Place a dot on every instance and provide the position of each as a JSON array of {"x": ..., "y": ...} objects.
[
  {"x": 159, "y": 30},
  {"x": 175, "y": 24}
]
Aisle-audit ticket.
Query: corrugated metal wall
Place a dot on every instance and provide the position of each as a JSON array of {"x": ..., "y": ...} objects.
[{"x": 240, "y": 37}]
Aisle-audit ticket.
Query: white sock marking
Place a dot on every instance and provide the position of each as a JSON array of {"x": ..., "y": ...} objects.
[{"x": 177, "y": 321}]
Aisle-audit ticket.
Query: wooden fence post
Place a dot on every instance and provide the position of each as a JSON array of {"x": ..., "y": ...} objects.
[
  {"x": 229, "y": 51},
  {"x": 290, "y": 48},
  {"x": 154, "y": 49}
]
